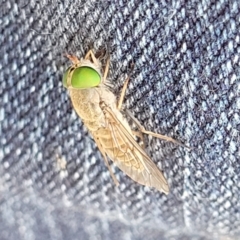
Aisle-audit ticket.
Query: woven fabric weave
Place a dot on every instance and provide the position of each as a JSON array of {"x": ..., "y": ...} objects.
[{"x": 185, "y": 84}]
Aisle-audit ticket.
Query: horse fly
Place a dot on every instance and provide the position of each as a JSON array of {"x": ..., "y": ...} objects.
[{"x": 100, "y": 112}]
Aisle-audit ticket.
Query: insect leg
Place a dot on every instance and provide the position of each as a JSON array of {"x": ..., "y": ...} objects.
[
  {"x": 120, "y": 101},
  {"x": 157, "y": 135},
  {"x": 90, "y": 53},
  {"x": 140, "y": 135},
  {"x": 107, "y": 164},
  {"x": 110, "y": 170},
  {"x": 106, "y": 70}
]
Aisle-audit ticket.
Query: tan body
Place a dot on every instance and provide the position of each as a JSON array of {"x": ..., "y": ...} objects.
[
  {"x": 100, "y": 113},
  {"x": 87, "y": 105}
]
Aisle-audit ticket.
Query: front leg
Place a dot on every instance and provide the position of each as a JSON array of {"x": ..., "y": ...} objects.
[{"x": 122, "y": 95}]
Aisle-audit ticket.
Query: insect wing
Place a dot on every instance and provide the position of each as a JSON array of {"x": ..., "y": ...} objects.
[{"x": 133, "y": 161}]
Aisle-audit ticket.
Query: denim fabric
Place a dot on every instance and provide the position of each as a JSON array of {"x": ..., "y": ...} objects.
[{"x": 185, "y": 84}]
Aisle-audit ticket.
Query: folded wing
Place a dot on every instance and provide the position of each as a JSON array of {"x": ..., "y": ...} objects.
[{"x": 117, "y": 142}]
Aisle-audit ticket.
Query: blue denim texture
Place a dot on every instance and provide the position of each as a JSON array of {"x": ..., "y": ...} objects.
[{"x": 185, "y": 84}]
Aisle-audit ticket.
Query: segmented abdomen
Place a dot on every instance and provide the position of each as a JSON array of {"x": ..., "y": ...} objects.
[{"x": 117, "y": 147}]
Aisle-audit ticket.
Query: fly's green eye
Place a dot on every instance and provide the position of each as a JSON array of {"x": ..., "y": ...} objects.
[{"x": 83, "y": 77}]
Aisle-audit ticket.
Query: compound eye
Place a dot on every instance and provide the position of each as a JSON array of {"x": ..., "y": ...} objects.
[
  {"x": 85, "y": 77},
  {"x": 82, "y": 77}
]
